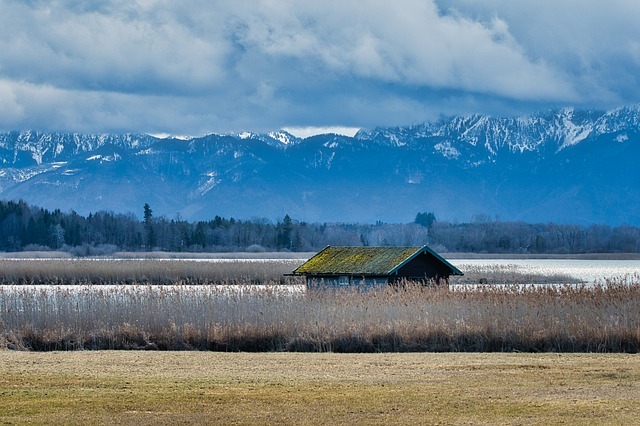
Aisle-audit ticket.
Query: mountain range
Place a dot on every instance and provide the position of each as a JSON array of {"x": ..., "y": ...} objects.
[{"x": 565, "y": 165}]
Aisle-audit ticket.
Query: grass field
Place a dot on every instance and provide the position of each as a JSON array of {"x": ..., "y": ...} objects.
[{"x": 130, "y": 387}]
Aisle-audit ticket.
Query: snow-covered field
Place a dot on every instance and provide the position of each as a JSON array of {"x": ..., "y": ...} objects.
[{"x": 588, "y": 271}]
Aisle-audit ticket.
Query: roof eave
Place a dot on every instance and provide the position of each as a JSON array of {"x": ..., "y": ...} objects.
[
  {"x": 425, "y": 249},
  {"x": 336, "y": 274}
]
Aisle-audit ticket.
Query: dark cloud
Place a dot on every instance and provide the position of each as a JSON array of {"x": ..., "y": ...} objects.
[{"x": 202, "y": 66}]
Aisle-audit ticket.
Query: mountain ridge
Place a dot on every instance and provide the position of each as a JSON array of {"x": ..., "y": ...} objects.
[{"x": 562, "y": 165}]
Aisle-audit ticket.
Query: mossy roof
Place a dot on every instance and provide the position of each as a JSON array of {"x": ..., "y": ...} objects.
[{"x": 359, "y": 260}]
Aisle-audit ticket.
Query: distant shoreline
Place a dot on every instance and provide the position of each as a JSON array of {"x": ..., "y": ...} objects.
[
  {"x": 307, "y": 255},
  {"x": 574, "y": 256}
]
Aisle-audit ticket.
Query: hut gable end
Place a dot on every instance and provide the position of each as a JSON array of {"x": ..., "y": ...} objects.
[{"x": 423, "y": 266}]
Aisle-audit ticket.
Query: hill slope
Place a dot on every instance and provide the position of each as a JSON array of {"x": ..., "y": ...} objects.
[{"x": 565, "y": 166}]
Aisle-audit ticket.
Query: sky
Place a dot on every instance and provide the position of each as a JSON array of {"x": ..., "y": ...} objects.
[{"x": 220, "y": 66}]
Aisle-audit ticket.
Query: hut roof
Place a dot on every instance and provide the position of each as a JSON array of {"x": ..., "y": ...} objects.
[{"x": 364, "y": 260}]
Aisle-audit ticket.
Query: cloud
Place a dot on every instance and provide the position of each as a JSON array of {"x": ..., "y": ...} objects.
[
  {"x": 305, "y": 132},
  {"x": 595, "y": 46},
  {"x": 201, "y": 66},
  {"x": 407, "y": 43},
  {"x": 117, "y": 52}
]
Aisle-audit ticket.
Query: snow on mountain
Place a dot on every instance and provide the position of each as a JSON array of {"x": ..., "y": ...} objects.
[
  {"x": 550, "y": 131},
  {"x": 563, "y": 165},
  {"x": 43, "y": 147},
  {"x": 284, "y": 137},
  {"x": 246, "y": 135},
  {"x": 278, "y": 139}
]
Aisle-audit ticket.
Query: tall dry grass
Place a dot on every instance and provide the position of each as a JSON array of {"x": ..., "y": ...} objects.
[
  {"x": 509, "y": 274},
  {"x": 144, "y": 271},
  {"x": 274, "y": 317}
]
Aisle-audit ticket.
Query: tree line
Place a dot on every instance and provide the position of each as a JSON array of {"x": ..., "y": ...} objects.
[{"x": 26, "y": 227}]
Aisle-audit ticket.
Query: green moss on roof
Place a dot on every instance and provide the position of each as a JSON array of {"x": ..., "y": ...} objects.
[{"x": 357, "y": 260}]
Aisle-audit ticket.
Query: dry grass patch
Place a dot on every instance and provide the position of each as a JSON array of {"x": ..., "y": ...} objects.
[
  {"x": 268, "y": 318},
  {"x": 293, "y": 388},
  {"x": 144, "y": 271}
]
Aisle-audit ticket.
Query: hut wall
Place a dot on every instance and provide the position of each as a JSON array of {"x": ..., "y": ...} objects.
[
  {"x": 345, "y": 280},
  {"x": 422, "y": 266}
]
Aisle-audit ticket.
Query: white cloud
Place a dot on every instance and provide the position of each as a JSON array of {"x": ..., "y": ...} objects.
[
  {"x": 591, "y": 44},
  {"x": 305, "y": 132},
  {"x": 199, "y": 66},
  {"x": 406, "y": 42},
  {"x": 10, "y": 110},
  {"x": 90, "y": 50}
]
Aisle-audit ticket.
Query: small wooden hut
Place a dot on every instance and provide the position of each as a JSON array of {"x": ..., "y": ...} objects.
[{"x": 343, "y": 266}]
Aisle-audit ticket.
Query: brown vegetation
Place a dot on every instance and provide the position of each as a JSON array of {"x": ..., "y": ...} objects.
[
  {"x": 276, "y": 317},
  {"x": 143, "y": 271},
  {"x": 154, "y": 388}
]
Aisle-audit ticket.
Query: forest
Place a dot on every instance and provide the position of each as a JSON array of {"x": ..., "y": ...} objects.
[{"x": 24, "y": 227}]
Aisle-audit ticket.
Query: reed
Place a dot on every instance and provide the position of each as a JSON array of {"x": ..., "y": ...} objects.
[
  {"x": 276, "y": 317},
  {"x": 144, "y": 271},
  {"x": 510, "y": 274}
]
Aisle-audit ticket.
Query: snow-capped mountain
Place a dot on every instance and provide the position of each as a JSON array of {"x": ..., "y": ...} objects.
[
  {"x": 279, "y": 139},
  {"x": 566, "y": 165},
  {"x": 552, "y": 130}
]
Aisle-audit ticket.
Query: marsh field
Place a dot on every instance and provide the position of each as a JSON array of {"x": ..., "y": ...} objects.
[
  {"x": 248, "y": 305},
  {"x": 228, "y": 341}
]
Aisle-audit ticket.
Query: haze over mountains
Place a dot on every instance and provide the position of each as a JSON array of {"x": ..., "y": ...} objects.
[{"x": 565, "y": 165}]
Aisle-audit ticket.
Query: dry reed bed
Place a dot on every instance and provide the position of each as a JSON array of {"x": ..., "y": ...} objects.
[
  {"x": 601, "y": 318},
  {"x": 105, "y": 271},
  {"x": 143, "y": 271},
  {"x": 509, "y": 274}
]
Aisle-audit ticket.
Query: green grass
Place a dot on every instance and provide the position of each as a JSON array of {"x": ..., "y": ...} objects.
[{"x": 291, "y": 388}]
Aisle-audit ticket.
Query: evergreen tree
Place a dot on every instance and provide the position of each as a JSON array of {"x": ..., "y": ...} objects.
[
  {"x": 148, "y": 226},
  {"x": 284, "y": 235},
  {"x": 425, "y": 219}
]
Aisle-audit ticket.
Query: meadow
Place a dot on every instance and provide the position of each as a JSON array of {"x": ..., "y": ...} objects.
[
  {"x": 187, "y": 387},
  {"x": 232, "y": 305}
]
